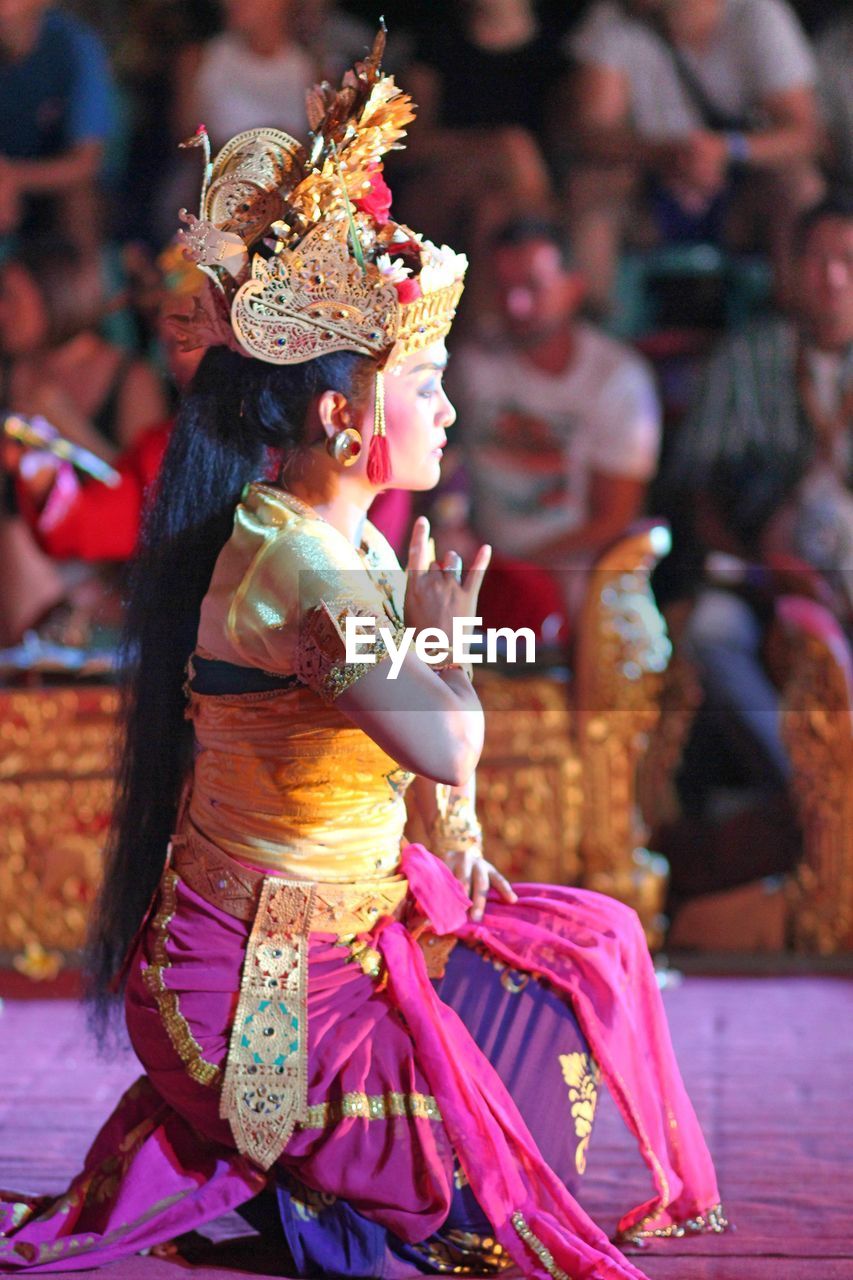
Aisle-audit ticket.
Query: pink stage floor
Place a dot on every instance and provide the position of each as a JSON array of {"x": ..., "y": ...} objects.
[{"x": 768, "y": 1062}]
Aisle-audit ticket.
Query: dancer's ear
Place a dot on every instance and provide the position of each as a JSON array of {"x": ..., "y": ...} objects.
[{"x": 335, "y": 413}]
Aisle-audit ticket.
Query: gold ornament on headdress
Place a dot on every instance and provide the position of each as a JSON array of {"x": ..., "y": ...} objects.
[
  {"x": 312, "y": 300},
  {"x": 299, "y": 263},
  {"x": 318, "y": 288}
]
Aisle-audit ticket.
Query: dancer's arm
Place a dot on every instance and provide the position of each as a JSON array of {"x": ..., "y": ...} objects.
[
  {"x": 455, "y": 835},
  {"x": 428, "y": 719}
]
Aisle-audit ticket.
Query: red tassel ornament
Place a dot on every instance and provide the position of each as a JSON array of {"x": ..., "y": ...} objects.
[
  {"x": 379, "y": 461},
  {"x": 378, "y": 456}
]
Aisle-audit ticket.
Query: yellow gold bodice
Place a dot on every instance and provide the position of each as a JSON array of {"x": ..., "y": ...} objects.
[{"x": 282, "y": 779}]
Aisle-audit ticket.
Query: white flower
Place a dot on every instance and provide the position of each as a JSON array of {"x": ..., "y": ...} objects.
[
  {"x": 396, "y": 271},
  {"x": 441, "y": 267},
  {"x": 403, "y": 234}
]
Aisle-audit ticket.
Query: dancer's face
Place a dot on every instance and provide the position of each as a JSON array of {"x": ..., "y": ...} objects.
[{"x": 417, "y": 416}]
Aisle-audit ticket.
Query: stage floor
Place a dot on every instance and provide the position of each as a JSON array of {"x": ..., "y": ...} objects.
[{"x": 767, "y": 1060}]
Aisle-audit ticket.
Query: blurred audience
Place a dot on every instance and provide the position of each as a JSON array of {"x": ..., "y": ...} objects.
[
  {"x": 56, "y": 115},
  {"x": 50, "y": 516},
  {"x": 559, "y": 423},
  {"x": 87, "y": 520},
  {"x": 835, "y": 84},
  {"x": 475, "y": 158},
  {"x": 764, "y": 468},
  {"x": 53, "y": 360},
  {"x": 335, "y": 39},
  {"x": 253, "y": 73},
  {"x": 696, "y": 121},
  {"x": 157, "y": 33},
  {"x": 779, "y": 396}
]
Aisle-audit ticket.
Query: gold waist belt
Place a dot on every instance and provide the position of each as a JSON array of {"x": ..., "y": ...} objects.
[
  {"x": 265, "y": 1084},
  {"x": 344, "y": 909}
]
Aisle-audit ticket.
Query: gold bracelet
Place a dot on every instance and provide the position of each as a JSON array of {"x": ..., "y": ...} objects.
[{"x": 455, "y": 828}]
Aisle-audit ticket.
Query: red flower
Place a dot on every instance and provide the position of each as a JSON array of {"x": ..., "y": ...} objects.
[
  {"x": 409, "y": 290},
  {"x": 376, "y": 201}
]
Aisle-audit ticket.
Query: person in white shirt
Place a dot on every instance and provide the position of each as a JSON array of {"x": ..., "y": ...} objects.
[
  {"x": 710, "y": 104},
  {"x": 253, "y": 73},
  {"x": 560, "y": 424}
]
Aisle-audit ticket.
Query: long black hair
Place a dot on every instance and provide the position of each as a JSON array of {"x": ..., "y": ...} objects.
[{"x": 237, "y": 417}]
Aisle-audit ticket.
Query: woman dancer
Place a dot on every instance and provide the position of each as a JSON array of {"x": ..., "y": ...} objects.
[{"x": 322, "y": 1013}]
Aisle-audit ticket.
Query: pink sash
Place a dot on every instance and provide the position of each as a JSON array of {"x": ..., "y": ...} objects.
[
  {"x": 592, "y": 949},
  {"x": 151, "y": 1175}
]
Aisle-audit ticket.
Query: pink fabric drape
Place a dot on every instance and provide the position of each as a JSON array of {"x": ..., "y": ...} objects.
[
  {"x": 162, "y": 1164},
  {"x": 592, "y": 949}
]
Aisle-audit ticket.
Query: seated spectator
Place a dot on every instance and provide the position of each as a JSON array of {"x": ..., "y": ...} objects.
[
  {"x": 156, "y": 33},
  {"x": 50, "y": 516},
  {"x": 253, "y": 73},
  {"x": 56, "y": 114},
  {"x": 764, "y": 466},
  {"x": 482, "y": 84},
  {"x": 835, "y": 87},
  {"x": 559, "y": 423},
  {"x": 54, "y": 362},
  {"x": 82, "y": 519},
  {"x": 87, "y": 520},
  {"x": 334, "y": 39},
  {"x": 702, "y": 115}
]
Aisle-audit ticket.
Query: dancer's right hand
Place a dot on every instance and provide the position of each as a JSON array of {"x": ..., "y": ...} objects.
[{"x": 438, "y": 593}]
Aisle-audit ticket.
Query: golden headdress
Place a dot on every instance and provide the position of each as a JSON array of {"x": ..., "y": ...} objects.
[{"x": 300, "y": 252}]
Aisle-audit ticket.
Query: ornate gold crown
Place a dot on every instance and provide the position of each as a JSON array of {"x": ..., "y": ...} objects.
[{"x": 298, "y": 245}]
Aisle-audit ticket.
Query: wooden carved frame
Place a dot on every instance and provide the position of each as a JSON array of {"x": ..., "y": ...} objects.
[
  {"x": 558, "y": 780},
  {"x": 817, "y": 726},
  {"x": 56, "y": 789},
  {"x": 622, "y": 653}
]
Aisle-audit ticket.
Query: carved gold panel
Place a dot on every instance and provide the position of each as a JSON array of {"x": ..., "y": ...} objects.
[
  {"x": 817, "y": 726},
  {"x": 558, "y": 781},
  {"x": 56, "y": 764},
  {"x": 622, "y": 654},
  {"x": 529, "y": 792}
]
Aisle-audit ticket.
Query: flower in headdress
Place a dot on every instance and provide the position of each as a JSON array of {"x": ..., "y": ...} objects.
[
  {"x": 376, "y": 200},
  {"x": 396, "y": 272},
  {"x": 404, "y": 246},
  {"x": 409, "y": 290},
  {"x": 441, "y": 267}
]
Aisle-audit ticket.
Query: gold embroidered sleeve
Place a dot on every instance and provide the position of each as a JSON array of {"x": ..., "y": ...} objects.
[
  {"x": 289, "y": 613},
  {"x": 321, "y": 660}
]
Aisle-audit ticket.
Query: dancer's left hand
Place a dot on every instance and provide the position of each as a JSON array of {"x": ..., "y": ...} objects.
[{"x": 477, "y": 876}]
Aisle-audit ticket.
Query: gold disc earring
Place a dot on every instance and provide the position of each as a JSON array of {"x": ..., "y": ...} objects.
[{"x": 344, "y": 447}]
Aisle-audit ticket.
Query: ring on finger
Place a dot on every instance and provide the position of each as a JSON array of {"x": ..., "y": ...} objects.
[{"x": 453, "y": 565}]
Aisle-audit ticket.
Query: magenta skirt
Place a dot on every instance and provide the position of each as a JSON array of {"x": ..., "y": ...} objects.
[
  {"x": 393, "y": 1168},
  {"x": 448, "y": 1121}
]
